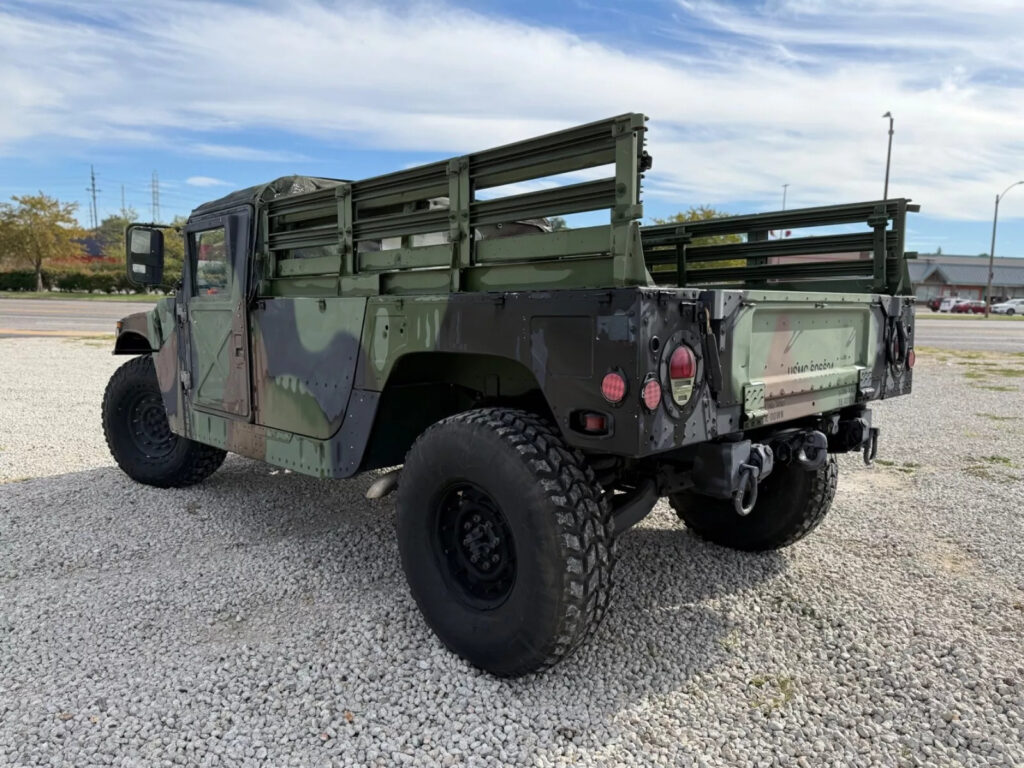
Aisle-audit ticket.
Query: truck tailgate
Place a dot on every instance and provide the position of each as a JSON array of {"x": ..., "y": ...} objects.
[{"x": 795, "y": 356}]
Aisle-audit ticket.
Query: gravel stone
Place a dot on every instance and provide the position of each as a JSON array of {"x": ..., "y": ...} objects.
[{"x": 261, "y": 618}]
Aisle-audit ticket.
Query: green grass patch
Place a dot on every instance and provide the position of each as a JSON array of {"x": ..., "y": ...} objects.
[
  {"x": 59, "y": 296},
  {"x": 1003, "y": 460},
  {"x": 997, "y": 388},
  {"x": 770, "y": 693},
  {"x": 1011, "y": 372},
  {"x": 927, "y": 316},
  {"x": 997, "y": 417}
]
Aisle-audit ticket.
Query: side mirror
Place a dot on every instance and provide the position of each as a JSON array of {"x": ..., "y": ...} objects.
[{"x": 145, "y": 255}]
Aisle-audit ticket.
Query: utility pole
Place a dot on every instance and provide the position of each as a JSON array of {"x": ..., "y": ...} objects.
[
  {"x": 93, "y": 212},
  {"x": 156, "y": 198},
  {"x": 785, "y": 188},
  {"x": 992, "y": 249},
  {"x": 888, "y": 158}
]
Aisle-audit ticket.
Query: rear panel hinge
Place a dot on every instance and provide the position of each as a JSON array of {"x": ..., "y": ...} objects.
[{"x": 753, "y": 404}]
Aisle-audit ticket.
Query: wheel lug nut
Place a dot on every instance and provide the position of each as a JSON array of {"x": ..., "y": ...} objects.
[
  {"x": 494, "y": 558},
  {"x": 473, "y": 558},
  {"x": 467, "y": 526}
]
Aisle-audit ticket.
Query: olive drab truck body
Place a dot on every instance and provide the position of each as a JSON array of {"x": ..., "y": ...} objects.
[{"x": 324, "y": 326}]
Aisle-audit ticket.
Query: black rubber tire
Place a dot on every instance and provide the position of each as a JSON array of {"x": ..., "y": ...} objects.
[
  {"x": 171, "y": 461},
  {"x": 791, "y": 502},
  {"x": 1010, "y": 312},
  {"x": 561, "y": 529}
]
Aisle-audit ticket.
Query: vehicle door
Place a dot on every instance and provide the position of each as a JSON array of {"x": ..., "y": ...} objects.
[{"x": 218, "y": 250}]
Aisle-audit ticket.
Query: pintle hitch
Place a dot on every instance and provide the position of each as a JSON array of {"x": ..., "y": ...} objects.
[{"x": 808, "y": 448}]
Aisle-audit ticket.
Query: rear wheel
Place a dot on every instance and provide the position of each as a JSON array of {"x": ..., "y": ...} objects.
[
  {"x": 139, "y": 437},
  {"x": 505, "y": 540},
  {"x": 791, "y": 502}
]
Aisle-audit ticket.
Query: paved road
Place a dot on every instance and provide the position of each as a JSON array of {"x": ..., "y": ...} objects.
[
  {"x": 37, "y": 317},
  {"x": 980, "y": 334},
  {"x": 75, "y": 317}
]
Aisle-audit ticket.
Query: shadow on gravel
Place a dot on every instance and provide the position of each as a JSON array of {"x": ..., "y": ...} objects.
[{"x": 304, "y": 562}]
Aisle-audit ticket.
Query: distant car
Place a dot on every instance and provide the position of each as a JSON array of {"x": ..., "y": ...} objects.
[
  {"x": 933, "y": 304},
  {"x": 970, "y": 306},
  {"x": 948, "y": 302},
  {"x": 1009, "y": 307}
]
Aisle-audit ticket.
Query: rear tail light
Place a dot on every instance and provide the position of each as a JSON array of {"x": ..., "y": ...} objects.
[
  {"x": 652, "y": 394},
  {"x": 682, "y": 368},
  {"x": 613, "y": 387},
  {"x": 911, "y": 358}
]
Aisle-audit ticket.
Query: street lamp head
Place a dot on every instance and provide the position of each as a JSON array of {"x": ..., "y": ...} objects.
[{"x": 887, "y": 114}]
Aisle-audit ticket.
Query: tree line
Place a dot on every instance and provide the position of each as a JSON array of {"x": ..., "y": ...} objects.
[{"x": 43, "y": 247}]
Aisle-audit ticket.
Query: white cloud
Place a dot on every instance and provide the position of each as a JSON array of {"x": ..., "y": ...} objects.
[
  {"x": 745, "y": 101},
  {"x": 207, "y": 181},
  {"x": 234, "y": 152}
]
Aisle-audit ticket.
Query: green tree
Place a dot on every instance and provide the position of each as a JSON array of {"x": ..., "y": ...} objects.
[
  {"x": 174, "y": 250},
  {"x": 702, "y": 213},
  {"x": 557, "y": 223},
  {"x": 110, "y": 232},
  {"x": 37, "y": 228}
]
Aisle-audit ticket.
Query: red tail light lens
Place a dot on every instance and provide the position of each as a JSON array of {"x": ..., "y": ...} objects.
[
  {"x": 682, "y": 368},
  {"x": 652, "y": 394},
  {"x": 613, "y": 387},
  {"x": 682, "y": 364},
  {"x": 911, "y": 358}
]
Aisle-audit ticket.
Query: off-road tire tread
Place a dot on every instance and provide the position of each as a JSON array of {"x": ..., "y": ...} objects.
[
  {"x": 820, "y": 494},
  {"x": 583, "y": 514},
  {"x": 200, "y": 460}
]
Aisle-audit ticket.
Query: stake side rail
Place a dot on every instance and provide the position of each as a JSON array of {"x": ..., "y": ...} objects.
[
  {"x": 419, "y": 230},
  {"x": 872, "y": 260}
]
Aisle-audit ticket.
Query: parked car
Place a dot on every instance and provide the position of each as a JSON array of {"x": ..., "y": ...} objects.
[
  {"x": 970, "y": 306},
  {"x": 1009, "y": 307},
  {"x": 948, "y": 302},
  {"x": 933, "y": 304}
]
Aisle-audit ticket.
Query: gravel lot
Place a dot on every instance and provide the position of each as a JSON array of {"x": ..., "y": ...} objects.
[{"x": 262, "y": 617}]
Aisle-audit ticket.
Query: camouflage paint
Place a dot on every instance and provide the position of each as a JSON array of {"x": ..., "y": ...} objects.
[{"x": 317, "y": 330}]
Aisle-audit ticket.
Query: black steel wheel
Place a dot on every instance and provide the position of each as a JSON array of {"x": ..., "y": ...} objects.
[
  {"x": 506, "y": 541},
  {"x": 477, "y": 545},
  {"x": 147, "y": 425},
  {"x": 140, "y": 437}
]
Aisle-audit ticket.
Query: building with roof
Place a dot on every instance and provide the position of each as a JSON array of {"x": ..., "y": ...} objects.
[{"x": 936, "y": 275}]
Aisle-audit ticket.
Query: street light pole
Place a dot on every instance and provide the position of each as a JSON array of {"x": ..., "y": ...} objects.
[
  {"x": 784, "y": 188},
  {"x": 992, "y": 248},
  {"x": 888, "y": 157}
]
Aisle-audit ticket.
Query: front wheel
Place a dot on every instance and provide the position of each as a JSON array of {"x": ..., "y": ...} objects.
[
  {"x": 791, "y": 502},
  {"x": 505, "y": 539},
  {"x": 139, "y": 437}
]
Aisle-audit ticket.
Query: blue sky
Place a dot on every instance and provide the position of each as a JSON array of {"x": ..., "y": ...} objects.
[{"x": 743, "y": 97}]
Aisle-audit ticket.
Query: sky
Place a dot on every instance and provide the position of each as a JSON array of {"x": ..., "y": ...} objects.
[{"x": 743, "y": 97}]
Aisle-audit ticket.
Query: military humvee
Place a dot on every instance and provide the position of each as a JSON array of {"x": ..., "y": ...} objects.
[{"x": 542, "y": 389}]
